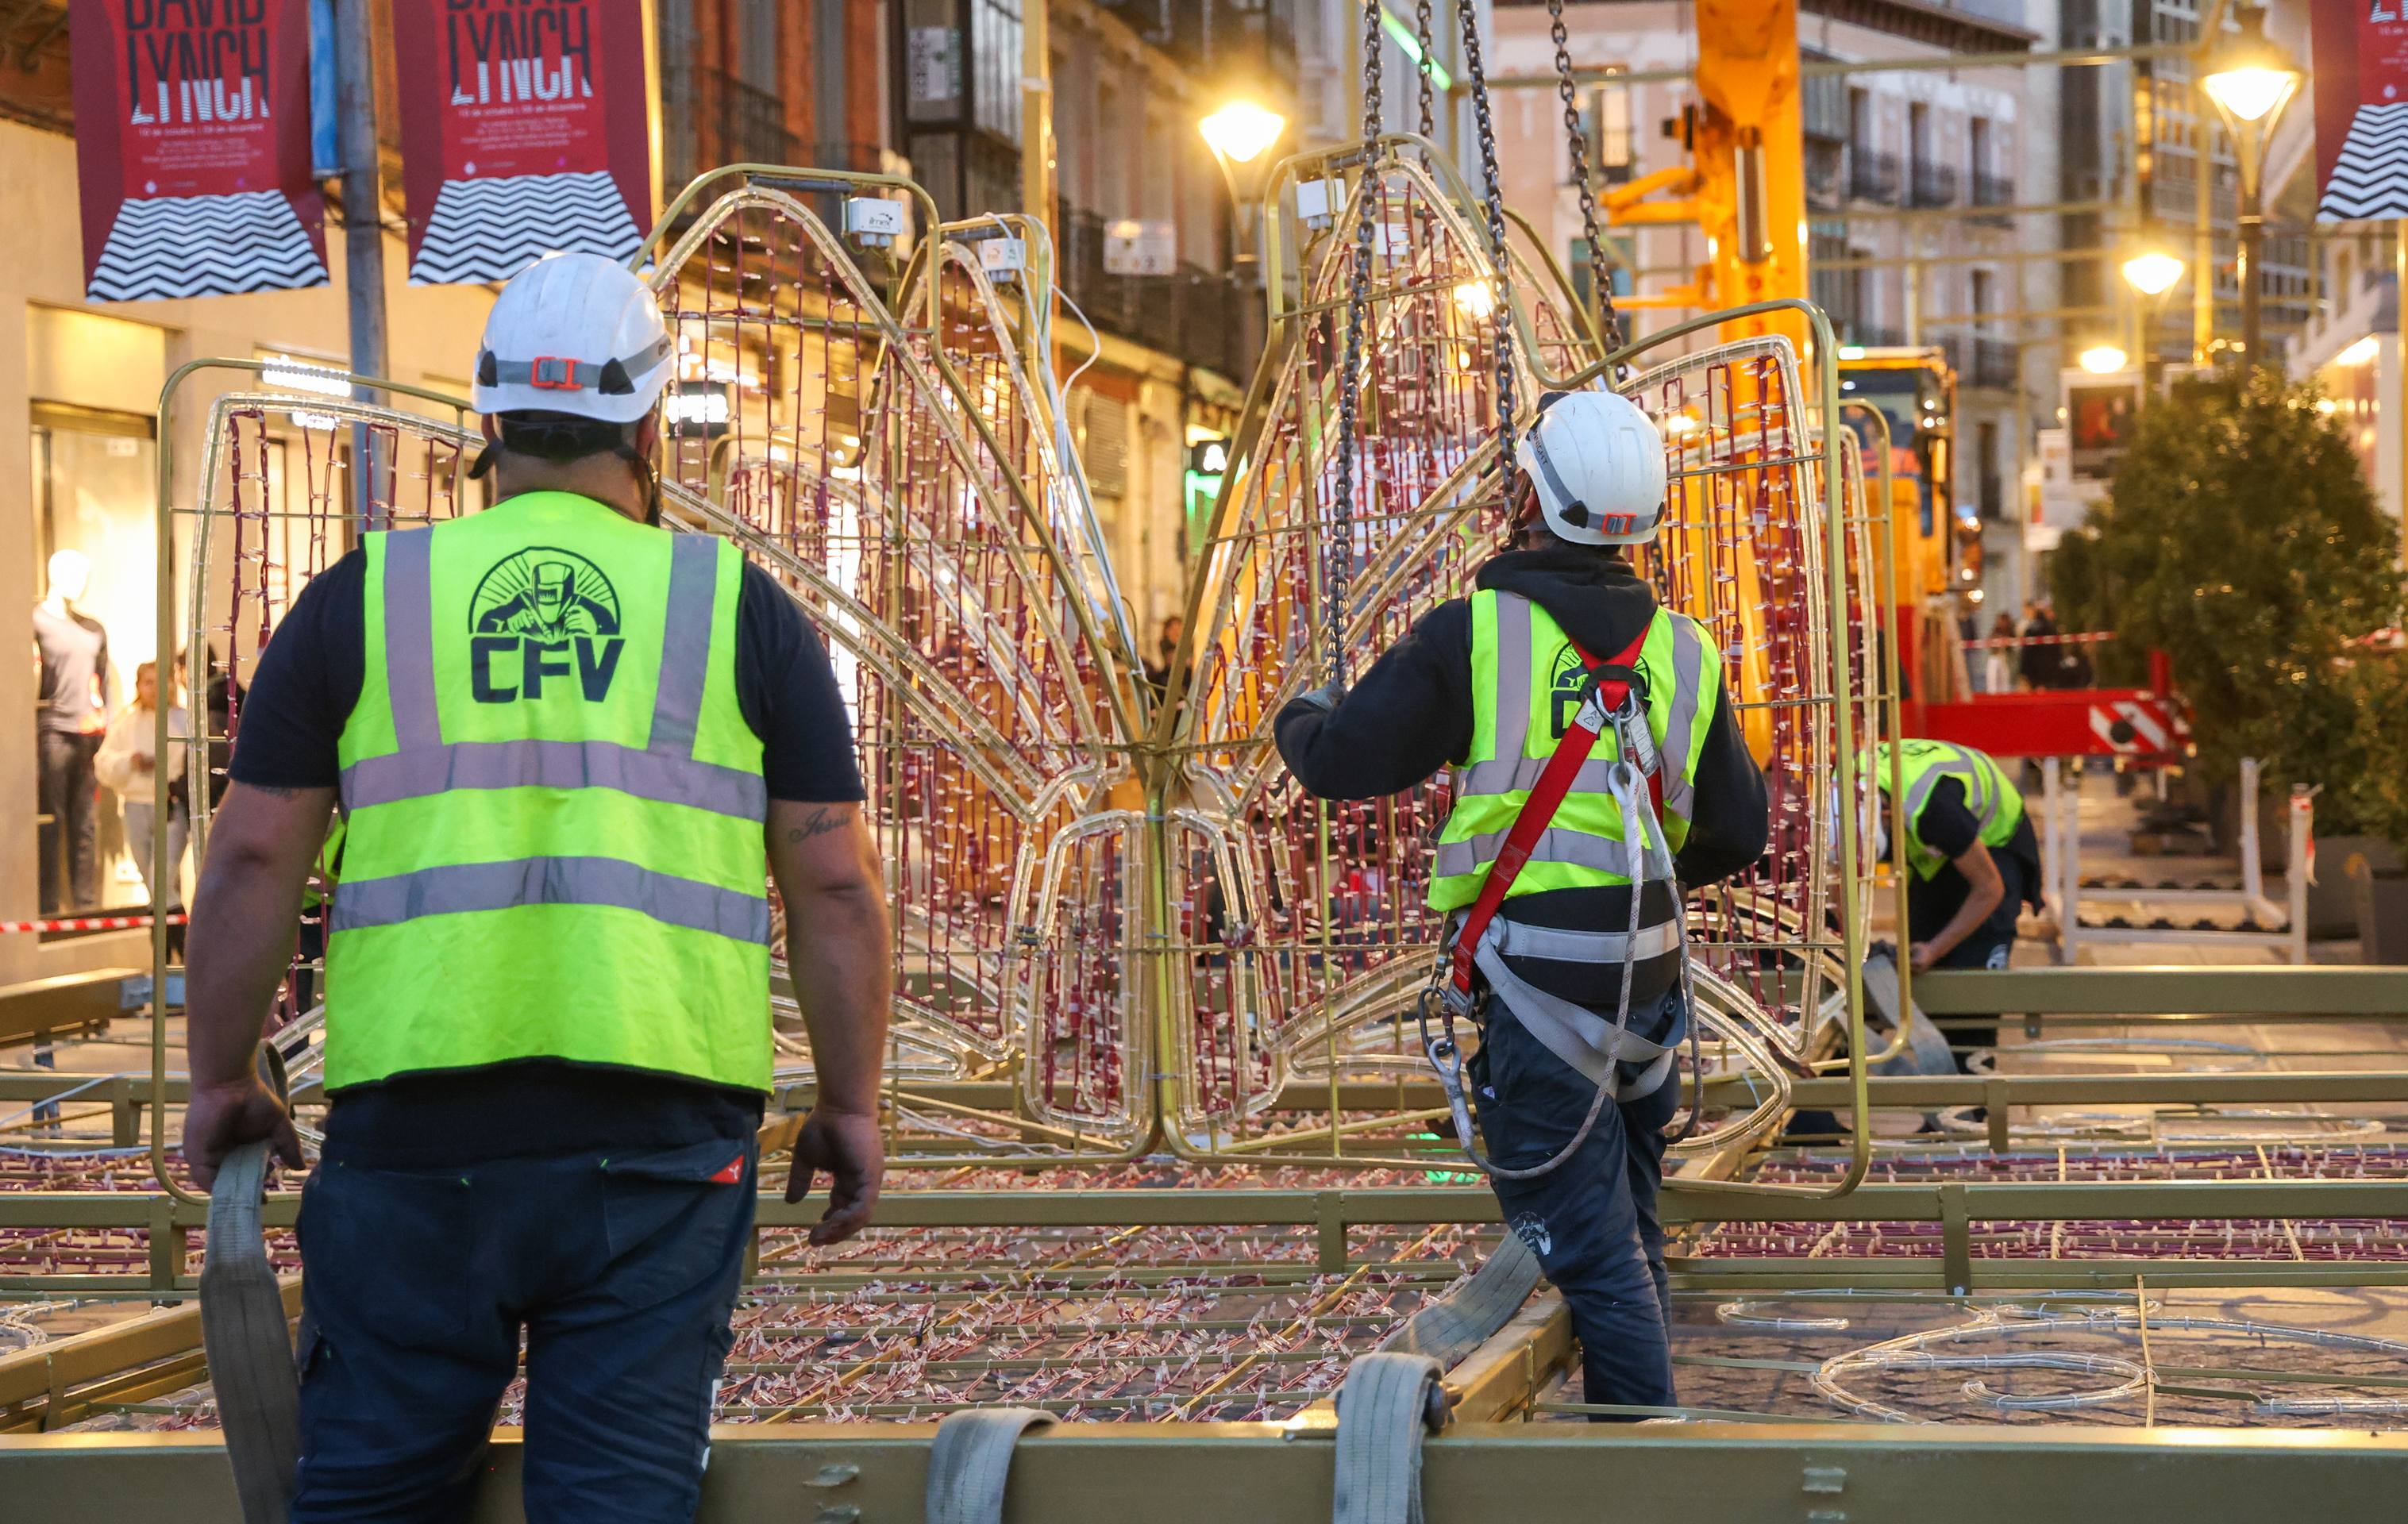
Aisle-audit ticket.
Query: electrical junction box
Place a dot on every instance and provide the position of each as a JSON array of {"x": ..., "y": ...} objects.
[
  {"x": 876, "y": 221},
  {"x": 1003, "y": 259}
]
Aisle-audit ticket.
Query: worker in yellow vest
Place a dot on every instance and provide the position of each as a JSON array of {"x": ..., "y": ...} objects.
[
  {"x": 1973, "y": 861},
  {"x": 1580, "y": 994},
  {"x": 571, "y": 748}
]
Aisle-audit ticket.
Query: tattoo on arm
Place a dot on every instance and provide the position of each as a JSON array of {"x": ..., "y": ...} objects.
[{"x": 819, "y": 822}]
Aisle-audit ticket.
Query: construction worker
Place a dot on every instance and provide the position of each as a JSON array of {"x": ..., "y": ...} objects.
[
  {"x": 1489, "y": 684},
  {"x": 1973, "y": 861},
  {"x": 548, "y": 1036}
]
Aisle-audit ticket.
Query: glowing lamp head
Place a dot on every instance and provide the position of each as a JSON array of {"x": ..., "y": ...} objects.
[
  {"x": 2153, "y": 273},
  {"x": 2250, "y": 77},
  {"x": 1241, "y": 131},
  {"x": 2104, "y": 358}
]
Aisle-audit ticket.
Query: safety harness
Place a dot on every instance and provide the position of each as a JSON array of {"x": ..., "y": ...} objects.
[{"x": 1582, "y": 1039}]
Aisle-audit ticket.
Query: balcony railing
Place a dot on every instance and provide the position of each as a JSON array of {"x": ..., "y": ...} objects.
[
  {"x": 1994, "y": 191},
  {"x": 1873, "y": 175},
  {"x": 1997, "y": 363},
  {"x": 1195, "y": 315},
  {"x": 710, "y": 118},
  {"x": 1826, "y": 176},
  {"x": 1934, "y": 185}
]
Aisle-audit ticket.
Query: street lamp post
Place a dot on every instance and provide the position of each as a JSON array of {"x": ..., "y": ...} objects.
[
  {"x": 1239, "y": 133},
  {"x": 2250, "y": 79}
]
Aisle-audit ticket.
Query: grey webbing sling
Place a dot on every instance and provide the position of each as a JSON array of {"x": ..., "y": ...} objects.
[{"x": 250, "y": 1350}]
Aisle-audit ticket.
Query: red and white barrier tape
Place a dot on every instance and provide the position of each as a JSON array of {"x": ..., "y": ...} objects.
[
  {"x": 88, "y": 923},
  {"x": 2003, "y": 643}
]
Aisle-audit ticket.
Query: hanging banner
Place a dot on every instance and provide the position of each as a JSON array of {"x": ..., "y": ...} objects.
[
  {"x": 2361, "y": 68},
  {"x": 525, "y": 128},
  {"x": 192, "y": 148}
]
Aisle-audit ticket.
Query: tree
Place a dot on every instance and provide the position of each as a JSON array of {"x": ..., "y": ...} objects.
[{"x": 2241, "y": 538}]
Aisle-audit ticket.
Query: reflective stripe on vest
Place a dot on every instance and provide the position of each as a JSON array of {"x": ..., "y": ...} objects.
[
  {"x": 1683, "y": 675},
  {"x": 1990, "y": 797},
  {"x": 555, "y": 806},
  {"x": 459, "y": 888}
]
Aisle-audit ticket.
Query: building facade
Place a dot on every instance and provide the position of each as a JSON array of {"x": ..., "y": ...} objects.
[
  {"x": 824, "y": 82},
  {"x": 1915, "y": 170}
]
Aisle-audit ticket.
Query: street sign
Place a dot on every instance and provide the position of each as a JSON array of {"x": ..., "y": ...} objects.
[{"x": 1135, "y": 247}]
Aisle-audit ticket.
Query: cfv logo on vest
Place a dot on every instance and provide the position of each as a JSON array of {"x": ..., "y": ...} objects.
[{"x": 538, "y": 616}]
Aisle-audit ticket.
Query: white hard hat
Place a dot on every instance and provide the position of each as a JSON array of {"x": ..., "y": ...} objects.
[
  {"x": 1598, "y": 463},
  {"x": 574, "y": 334}
]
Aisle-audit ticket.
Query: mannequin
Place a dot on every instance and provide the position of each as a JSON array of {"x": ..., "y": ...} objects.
[{"x": 73, "y": 652}]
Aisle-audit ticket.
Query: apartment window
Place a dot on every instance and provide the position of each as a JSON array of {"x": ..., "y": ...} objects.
[
  {"x": 1983, "y": 295},
  {"x": 1609, "y": 133},
  {"x": 1919, "y": 134},
  {"x": 756, "y": 52},
  {"x": 1977, "y": 145},
  {"x": 1860, "y": 117},
  {"x": 1992, "y": 487}
]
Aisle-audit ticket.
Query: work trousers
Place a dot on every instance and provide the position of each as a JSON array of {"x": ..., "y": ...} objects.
[
  {"x": 70, "y": 870},
  {"x": 1591, "y": 1220},
  {"x": 1984, "y": 948},
  {"x": 620, "y": 1270}
]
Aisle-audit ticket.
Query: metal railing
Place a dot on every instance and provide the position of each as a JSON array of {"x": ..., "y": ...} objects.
[
  {"x": 1933, "y": 185},
  {"x": 1991, "y": 191},
  {"x": 708, "y": 117},
  {"x": 1826, "y": 176},
  {"x": 1997, "y": 363},
  {"x": 1200, "y": 316},
  {"x": 1873, "y": 175}
]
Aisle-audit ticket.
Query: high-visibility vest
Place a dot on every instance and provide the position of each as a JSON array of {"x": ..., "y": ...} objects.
[
  {"x": 555, "y": 806},
  {"x": 1526, "y": 682},
  {"x": 1989, "y": 795}
]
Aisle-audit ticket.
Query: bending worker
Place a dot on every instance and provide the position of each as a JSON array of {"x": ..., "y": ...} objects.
[
  {"x": 1971, "y": 858},
  {"x": 1488, "y": 686},
  {"x": 547, "y": 1036}
]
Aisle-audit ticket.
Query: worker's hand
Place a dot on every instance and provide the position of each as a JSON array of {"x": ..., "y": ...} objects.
[
  {"x": 846, "y": 1145},
  {"x": 1921, "y": 957},
  {"x": 220, "y": 1118},
  {"x": 1325, "y": 697}
]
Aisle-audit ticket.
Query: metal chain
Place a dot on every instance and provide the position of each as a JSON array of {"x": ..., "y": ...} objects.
[
  {"x": 1600, "y": 283},
  {"x": 1493, "y": 192},
  {"x": 1428, "y": 127},
  {"x": 1337, "y": 547}
]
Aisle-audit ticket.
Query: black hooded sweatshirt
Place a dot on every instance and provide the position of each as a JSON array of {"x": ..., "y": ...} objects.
[{"x": 1410, "y": 715}]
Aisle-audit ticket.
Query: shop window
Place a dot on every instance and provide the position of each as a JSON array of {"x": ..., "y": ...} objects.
[{"x": 94, "y": 620}]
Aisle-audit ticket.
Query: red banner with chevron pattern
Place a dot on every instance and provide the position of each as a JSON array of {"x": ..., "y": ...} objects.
[
  {"x": 525, "y": 128},
  {"x": 192, "y": 148},
  {"x": 2361, "y": 68}
]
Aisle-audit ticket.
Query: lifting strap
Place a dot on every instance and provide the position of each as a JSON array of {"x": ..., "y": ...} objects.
[
  {"x": 1387, "y": 1401},
  {"x": 971, "y": 1462},
  {"x": 1471, "y": 1312},
  {"x": 249, "y": 1348},
  {"x": 1609, "y": 690}
]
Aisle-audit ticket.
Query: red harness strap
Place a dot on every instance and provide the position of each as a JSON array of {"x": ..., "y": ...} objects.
[{"x": 1539, "y": 810}]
